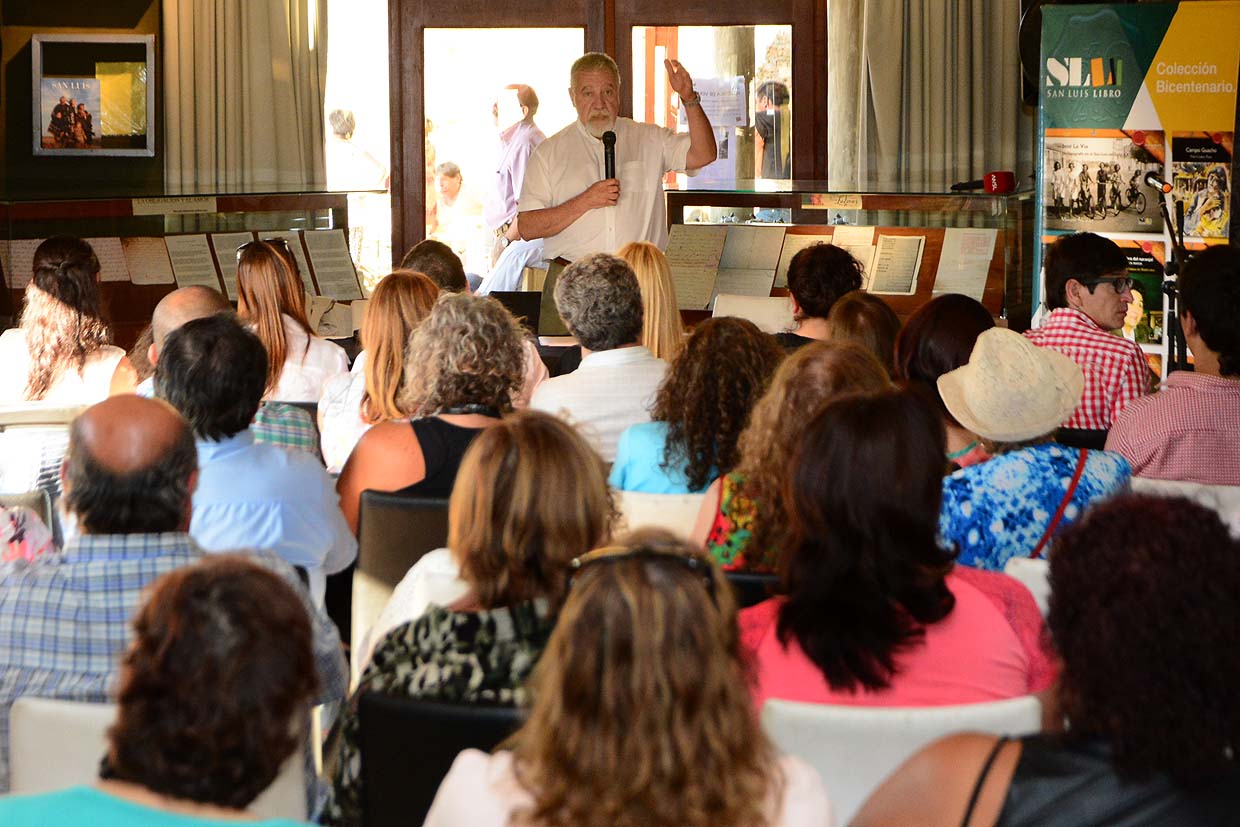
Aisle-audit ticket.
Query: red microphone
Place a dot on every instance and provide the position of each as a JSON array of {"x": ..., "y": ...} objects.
[{"x": 999, "y": 182}]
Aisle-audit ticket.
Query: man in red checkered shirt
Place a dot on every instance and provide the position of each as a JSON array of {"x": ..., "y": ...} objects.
[
  {"x": 1088, "y": 291},
  {"x": 1190, "y": 430}
]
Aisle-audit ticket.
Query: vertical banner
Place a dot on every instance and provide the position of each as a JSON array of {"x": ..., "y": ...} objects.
[{"x": 1127, "y": 91}]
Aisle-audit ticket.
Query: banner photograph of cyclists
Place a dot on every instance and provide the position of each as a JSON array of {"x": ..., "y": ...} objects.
[{"x": 1095, "y": 180}]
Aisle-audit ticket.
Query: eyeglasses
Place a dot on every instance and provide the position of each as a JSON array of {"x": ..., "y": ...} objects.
[
  {"x": 1118, "y": 284},
  {"x": 282, "y": 243},
  {"x": 613, "y": 554}
]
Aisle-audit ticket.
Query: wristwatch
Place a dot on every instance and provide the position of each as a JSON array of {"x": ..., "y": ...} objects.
[{"x": 696, "y": 100}]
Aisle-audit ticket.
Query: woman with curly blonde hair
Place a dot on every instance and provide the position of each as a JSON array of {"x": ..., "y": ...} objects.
[
  {"x": 662, "y": 331},
  {"x": 61, "y": 351},
  {"x": 743, "y": 521},
  {"x": 463, "y": 367},
  {"x": 368, "y": 395},
  {"x": 641, "y": 714}
]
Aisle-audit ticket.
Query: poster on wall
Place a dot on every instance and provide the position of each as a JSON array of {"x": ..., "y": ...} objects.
[
  {"x": 1201, "y": 175},
  {"x": 70, "y": 108},
  {"x": 1096, "y": 180}
]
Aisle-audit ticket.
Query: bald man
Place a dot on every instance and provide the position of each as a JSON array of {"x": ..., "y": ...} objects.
[{"x": 128, "y": 478}]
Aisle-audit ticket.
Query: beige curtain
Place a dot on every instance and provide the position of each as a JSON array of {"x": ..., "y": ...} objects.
[
  {"x": 243, "y": 102},
  {"x": 923, "y": 93}
]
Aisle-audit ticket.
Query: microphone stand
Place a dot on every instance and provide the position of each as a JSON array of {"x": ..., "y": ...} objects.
[{"x": 1177, "y": 348}]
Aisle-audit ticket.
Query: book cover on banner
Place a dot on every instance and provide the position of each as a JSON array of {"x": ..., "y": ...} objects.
[
  {"x": 1201, "y": 173},
  {"x": 1144, "y": 322},
  {"x": 1095, "y": 180}
]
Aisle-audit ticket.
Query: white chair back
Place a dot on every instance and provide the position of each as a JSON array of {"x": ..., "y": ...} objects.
[
  {"x": 1034, "y": 575},
  {"x": 675, "y": 512},
  {"x": 772, "y": 314},
  {"x": 57, "y": 744},
  {"x": 1225, "y": 499},
  {"x": 854, "y": 748}
]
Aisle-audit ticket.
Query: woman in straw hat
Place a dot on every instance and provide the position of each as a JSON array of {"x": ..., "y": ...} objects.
[{"x": 1013, "y": 395}]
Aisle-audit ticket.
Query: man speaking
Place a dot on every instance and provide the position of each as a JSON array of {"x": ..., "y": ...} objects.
[{"x": 568, "y": 198}]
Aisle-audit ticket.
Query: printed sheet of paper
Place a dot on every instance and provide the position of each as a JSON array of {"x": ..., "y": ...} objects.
[
  {"x": 965, "y": 261},
  {"x": 750, "y": 256},
  {"x": 294, "y": 243},
  {"x": 723, "y": 100},
  {"x": 6, "y": 265},
  {"x": 225, "y": 246},
  {"x": 333, "y": 268},
  {"x": 19, "y": 265},
  {"x": 358, "y": 309},
  {"x": 192, "y": 262},
  {"x": 148, "y": 260},
  {"x": 693, "y": 253},
  {"x": 794, "y": 244},
  {"x": 112, "y": 264},
  {"x": 337, "y": 322},
  {"x": 896, "y": 261},
  {"x": 316, "y": 307},
  {"x": 859, "y": 242},
  {"x": 772, "y": 314}
]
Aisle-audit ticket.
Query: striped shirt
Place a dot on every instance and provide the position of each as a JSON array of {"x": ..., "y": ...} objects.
[
  {"x": 1189, "y": 431},
  {"x": 287, "y": 426},
  {"x": 1116, "y": 371}
]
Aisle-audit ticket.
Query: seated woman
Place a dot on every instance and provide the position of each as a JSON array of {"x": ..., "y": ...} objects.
[
  {"x": 272, "y": 298},
  {"x": 61, "y": 350},
  {"x": 817, "y": 277},
  {"x": 873, "y": 612},
  {"x": 662, "y": 331},
  {"x": 938, "y": 338},
  {"x": 531, "y": 496},
  {"x": 699, "y": 411},
  {"x": 1013, "y": 395},
  {"x": 463, "y": 366},
  {"x": 867, "y": 320},
  {"x": 640, "y": 714},
  {"x": 1149, "y": 702},
  {"x": 369, "y": 394},
  {"x": 743, "y": 519},
  {"x": 502, "y": 503},
  {"x": 214, "y": 696}
]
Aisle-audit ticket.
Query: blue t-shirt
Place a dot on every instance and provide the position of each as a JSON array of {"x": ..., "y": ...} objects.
[
  {"x": 639, "y": 463},
  {"x": 999, "y": 509},
  {"x": 87, "y": 805}
]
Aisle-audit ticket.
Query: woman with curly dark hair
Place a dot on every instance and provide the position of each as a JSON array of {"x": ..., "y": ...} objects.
[
  {"x": 699, "y": 412},
  {"x": 214, "y": 696},
  {"x": 61, "y": 351},
  {"x": 818, "y": 277},
  {"x": 873, "y": 611},
  {"x": 1143, "y": 614}
]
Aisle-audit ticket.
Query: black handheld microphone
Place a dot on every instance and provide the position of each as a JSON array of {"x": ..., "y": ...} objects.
[
  {"x": 609, "y": 154},
  {"x": 1152, "y": 180}
]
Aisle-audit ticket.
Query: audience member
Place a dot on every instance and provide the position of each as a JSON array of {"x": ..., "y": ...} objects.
[
  {"x": 249, "y": 495},
  {"x": 463, "y": 368},
  {"x": 272, "y": 298},
  {"x": 1088, "y": 291},
  {"x": 867, "y": 320},
  {"x": 1014, "y": 395},
  {"x": 1142, "y": 615},
  {"x": 500, "y": 509},
  {"x": 662, "y": 331},
  {"x": 143, "y": 367},
  {"x": 640, "y": 712},
  {"x": 276, "y": 422},
  {"x": 61, "y": 350},
  {"x": 743, "y": 522},
  {"x": 817, "y": 277},
  {"x": 699, "y": 412},
  {"x": 355, "y": 401},
  {"x": 212, "y": 696},
  {"x": 23, "y": 536},
  {"x": 600, "y": 301},
  {"x": 514, "y": 544},
  {"x": 936, "y": 339},
  {"x": 1189, "y": 430},
  {"x": 874, "y": 614},
  {"x": 64, "y": 618}
]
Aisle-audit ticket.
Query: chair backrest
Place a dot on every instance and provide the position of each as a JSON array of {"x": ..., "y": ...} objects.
[
  {"x": 408, "y": 745},
  {"x": 855, "y": 747},
  {"x": 674, "y": 512},
  {"x": 1035, "y": 576},
  {"x": 751, "y": 588},
  {"x": 772, "y": 314},
  {"x": 40, "y": 502},
  {"x": 57, "y": 744},
  {"x": 393, "y": 532}
]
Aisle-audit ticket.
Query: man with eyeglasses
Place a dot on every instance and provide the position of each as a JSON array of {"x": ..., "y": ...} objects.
[{"x": 1088, "y": 291}]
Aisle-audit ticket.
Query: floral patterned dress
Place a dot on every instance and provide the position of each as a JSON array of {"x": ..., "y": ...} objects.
[{"x": 730, "y": 533}]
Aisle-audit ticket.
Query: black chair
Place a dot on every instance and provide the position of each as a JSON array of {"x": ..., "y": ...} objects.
[
  {"x": 393, "y": 532},
  {"x": 1090, "y": 440},
  {"x": 750, "y": 588},
  {"x": 407, "y": 747}
]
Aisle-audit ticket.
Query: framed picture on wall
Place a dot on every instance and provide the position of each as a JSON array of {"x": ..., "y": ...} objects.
[{"x": 93, "y": 94}]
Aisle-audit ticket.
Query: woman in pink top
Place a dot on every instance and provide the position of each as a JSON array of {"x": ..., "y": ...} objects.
[{"x": 874, "y": 613}]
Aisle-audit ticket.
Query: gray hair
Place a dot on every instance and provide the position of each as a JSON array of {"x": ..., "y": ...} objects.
[
  {"x": 599, "y": 299},
  {"x": 591, "y": 62}
]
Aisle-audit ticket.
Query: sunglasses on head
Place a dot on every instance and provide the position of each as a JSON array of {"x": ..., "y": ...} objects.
[
  {"x": 282, "y": 243},
  {"x": 613, "y": 554},
  {"x": 1118, "y": 284}
]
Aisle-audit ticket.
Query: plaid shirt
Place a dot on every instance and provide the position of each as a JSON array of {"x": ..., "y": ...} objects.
[
  {"x": 287, "y": 426},
  {"x": 1186, "y": 432},
  {"x": 65, "y": 619},
  {"x": 1116, "y": 371}
]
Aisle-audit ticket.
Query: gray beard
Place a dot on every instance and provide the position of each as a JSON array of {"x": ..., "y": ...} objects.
[{"x": 597, "y": 128}]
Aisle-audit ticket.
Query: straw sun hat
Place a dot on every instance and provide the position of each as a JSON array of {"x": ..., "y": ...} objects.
[{"x": 1011, "y": 389}]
